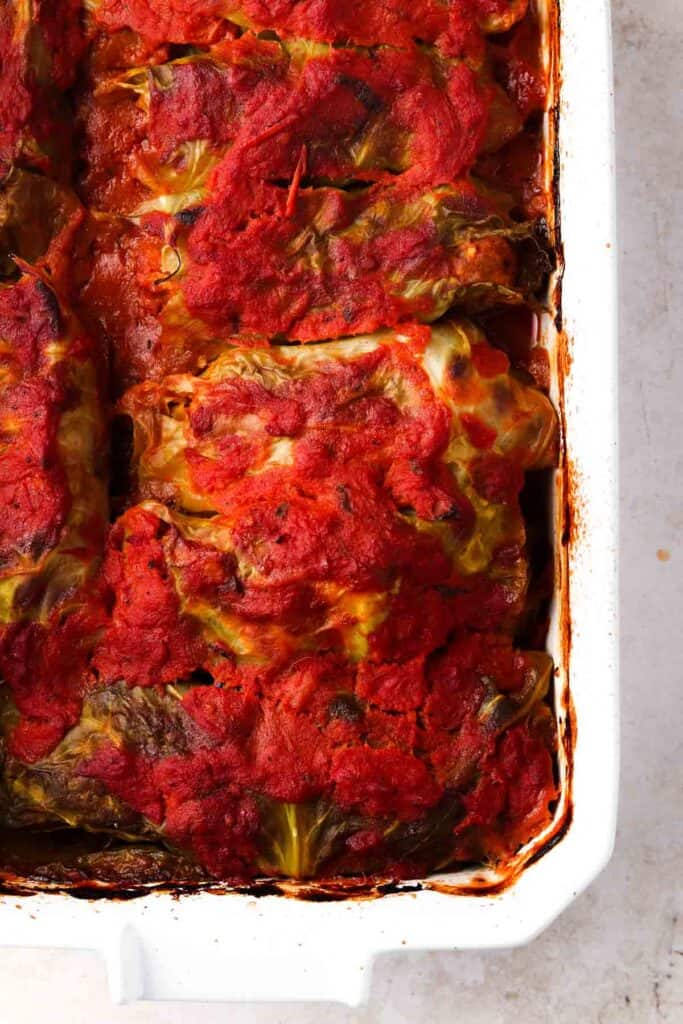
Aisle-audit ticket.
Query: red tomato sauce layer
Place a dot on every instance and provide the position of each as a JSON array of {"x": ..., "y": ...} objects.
[
  {"x": 33, "y": 487},
  {"x": 40, "y": 45},
  {"x": 295, "y": 650},
  {"x": 339, "y": 264},
  {"x": 456, "y": 26},
  {"x": 320, "y": 734},
  {"x": 258, "y": 113}
]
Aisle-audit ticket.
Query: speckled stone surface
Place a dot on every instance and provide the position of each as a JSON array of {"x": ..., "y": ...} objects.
[{"x": 616, "y": 956}]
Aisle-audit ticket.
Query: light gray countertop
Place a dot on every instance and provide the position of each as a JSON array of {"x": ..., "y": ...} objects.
[{"x": 616, "y": 956}]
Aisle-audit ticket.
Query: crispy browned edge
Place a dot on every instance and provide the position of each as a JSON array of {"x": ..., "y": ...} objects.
[{"x": 565, "y": 528}]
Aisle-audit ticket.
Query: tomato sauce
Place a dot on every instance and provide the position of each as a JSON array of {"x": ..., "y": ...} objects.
[
  {"x": 197, "y": 21},
  {"x": 40, "y": 44},
  {"x": 314, "y": 192},
  {"x": 250, "y": 106},
  {"x": 294, "y": 651},
  {"x": 34, "y": 490},
  {"x": 305, "y": 735},
  {"x": 374, "y": 260}
]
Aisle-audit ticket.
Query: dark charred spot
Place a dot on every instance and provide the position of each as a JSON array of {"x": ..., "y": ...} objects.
[
  {"x": 232, "y": 585},
  {"x": 345, "y": 707},
  {"x": 406, "y": 510},
  {"x": 200, "y": 677},
  {"x": 221, "y": 652},
  {"x": 188, "y": 218},
  {"x": 453, "y": 514},
  {"x": 51, "y": 304},
  {"x": 541, "y": 226},
  {"x": 536, "y": 262},
  {"x": 458, "y": 367},
  {"x": 28, "y": 593},
  {"x": 38, "y": 544},
  {"x": 344, "y": 498},
  {"x": 200, "y": 513},
  {"x": 282, "y": 510},
  {"x": 362, "y": 92},
  {"x": 161, "y": 529},
  {"x": 413, "y": 829}
]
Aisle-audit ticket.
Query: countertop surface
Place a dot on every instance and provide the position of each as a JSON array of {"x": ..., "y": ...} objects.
[{"x": 616, "y": 956}]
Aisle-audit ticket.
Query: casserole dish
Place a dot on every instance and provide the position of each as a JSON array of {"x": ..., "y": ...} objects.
[{"x": 276, "y": 944}]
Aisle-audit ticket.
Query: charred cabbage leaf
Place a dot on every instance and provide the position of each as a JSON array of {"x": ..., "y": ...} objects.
[{"x": 51, "y": 856}]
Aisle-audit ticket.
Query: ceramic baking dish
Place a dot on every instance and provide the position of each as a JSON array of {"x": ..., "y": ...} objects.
[{"x": 309, "y": 944}]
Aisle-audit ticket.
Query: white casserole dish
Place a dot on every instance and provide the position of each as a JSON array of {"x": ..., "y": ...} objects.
[{"x": 271, "y": 947}]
